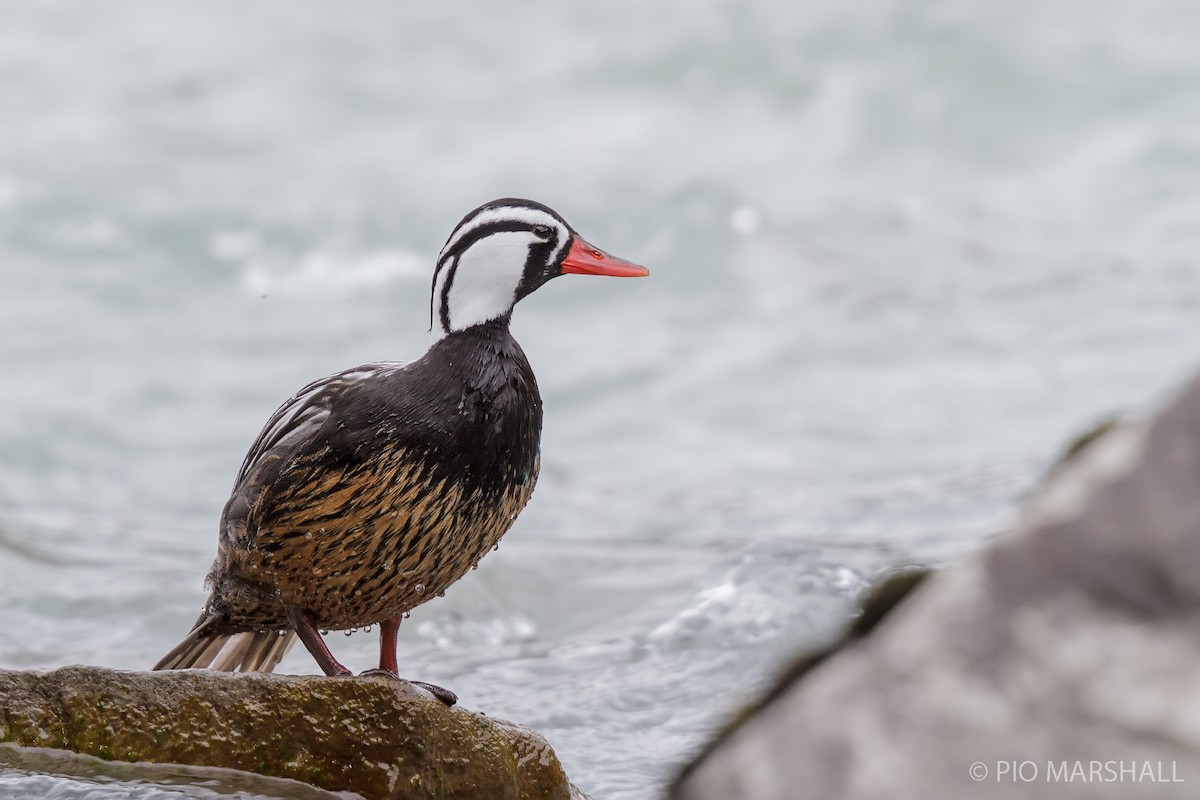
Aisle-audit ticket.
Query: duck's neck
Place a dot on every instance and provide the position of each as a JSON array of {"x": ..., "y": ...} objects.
[
  {"x": 485, "y": 356},
  {"x": 486, "y": 336},
  {"x": 490, "y": 401},
  {"x": 443, "y": 327}
]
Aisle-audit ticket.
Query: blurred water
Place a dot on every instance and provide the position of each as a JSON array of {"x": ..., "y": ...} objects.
[{"x": 902, "y": 249}]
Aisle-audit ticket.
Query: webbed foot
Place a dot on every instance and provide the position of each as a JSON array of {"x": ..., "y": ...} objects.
[{"x": 445, "y": 695}]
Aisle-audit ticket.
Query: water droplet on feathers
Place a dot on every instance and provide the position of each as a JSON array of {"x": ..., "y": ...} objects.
[
  {"x": 419, "y": 588},
  {"x": 308, "y": 536}
]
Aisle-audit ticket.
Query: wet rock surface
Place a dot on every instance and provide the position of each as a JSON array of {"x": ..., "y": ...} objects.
[
  {"x": 1059, "y": 662},
  {"x": 377, "y": 737}
]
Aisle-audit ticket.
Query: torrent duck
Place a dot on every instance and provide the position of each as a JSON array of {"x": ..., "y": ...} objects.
[{"x": 372, "y": 490}]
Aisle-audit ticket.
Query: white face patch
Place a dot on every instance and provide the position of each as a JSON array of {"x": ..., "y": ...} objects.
[
  {"x": 483, "y": 281},
  {"x": 480, "y": 283}
]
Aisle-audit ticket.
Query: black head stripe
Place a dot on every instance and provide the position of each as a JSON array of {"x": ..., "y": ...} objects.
[
  {"x": 483, "y": 231},
  {"x": 444, "y": 300},
  {"x": 514, "y": 203}
]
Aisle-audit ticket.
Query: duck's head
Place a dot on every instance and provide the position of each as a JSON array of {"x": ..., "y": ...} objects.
[{"x": 501, "y": 252}]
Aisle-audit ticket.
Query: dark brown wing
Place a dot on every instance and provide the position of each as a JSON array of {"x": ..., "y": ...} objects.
[{"x": 292, "y": 427}]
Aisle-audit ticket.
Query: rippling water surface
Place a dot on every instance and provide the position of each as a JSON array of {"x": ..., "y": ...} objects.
[{"x": 902, "y": 249}]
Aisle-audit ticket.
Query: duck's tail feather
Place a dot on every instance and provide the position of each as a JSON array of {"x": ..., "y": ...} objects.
[{"x": 253, "y": 651}]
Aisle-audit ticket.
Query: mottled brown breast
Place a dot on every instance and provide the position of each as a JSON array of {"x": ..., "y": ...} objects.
[
  {"x": 381, "y": 541},
  {"x": 398, "y": 488}
]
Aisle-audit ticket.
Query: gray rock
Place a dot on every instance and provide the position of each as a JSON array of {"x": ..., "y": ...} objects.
[
  {"x": 378, "y": 737},
  {"x": 1059, "y": 662}
]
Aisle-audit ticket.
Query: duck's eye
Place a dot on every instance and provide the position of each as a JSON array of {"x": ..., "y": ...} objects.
[{"x": 541, "y": 231}]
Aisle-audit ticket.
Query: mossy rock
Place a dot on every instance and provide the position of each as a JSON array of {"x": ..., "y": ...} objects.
[{"x": 379, "y": 737}]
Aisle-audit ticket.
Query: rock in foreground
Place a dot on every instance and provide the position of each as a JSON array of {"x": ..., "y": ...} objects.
[
  {"x": 377, "y": 737},
  {"x": 1060, "y": 662}
]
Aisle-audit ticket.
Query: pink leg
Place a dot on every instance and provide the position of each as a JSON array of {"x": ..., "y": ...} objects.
[
  {"x": 389, "y": 666},
  {"x": 387, "y": 645},
  {"x": 302, "y": 622}
]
